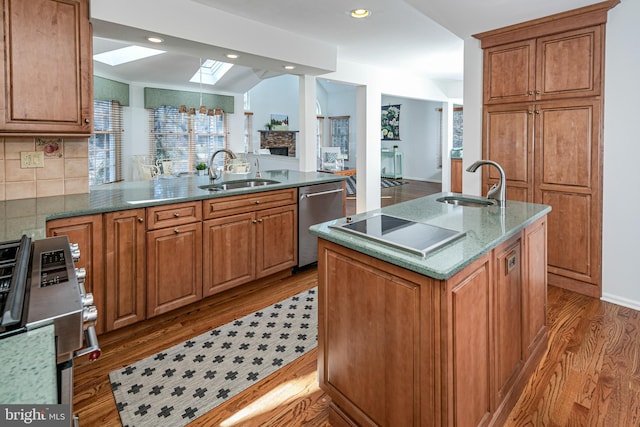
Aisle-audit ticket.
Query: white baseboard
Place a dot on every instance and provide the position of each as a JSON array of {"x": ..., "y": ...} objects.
[{"x": 625, "y": 302}]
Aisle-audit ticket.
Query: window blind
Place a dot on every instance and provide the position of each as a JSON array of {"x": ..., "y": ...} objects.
[
  {"x": 105, "y": 144},
  {"x": 185, "y": 139}
]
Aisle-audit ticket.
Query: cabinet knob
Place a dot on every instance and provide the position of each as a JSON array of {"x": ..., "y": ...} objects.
[
  {"x": 175, "y": 230},
  {"x": 538, "y": 91},
  {"x": 260, "y": 221},
  {"x": 140, "y": 219},
  {"x": 253, "y": 221},
  {"x": 537, "y": 111},
  {"x": 87, "y": 121},
  {"x": 529, "y": 112},
  {"x": 530, "y": 92},
  {"x": 257, "y": 202},
  {"x": 176, "y": 214}
]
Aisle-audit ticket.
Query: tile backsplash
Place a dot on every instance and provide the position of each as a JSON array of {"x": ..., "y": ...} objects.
[{"x": 65, "y": 171}]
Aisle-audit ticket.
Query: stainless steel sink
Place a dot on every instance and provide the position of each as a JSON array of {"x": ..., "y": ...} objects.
[
  {"x": 239, "y": 183},
  {"x": 466, "y": 201}
]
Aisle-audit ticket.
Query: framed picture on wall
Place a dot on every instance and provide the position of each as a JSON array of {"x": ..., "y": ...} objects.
[{"x": 390, "y": 123}]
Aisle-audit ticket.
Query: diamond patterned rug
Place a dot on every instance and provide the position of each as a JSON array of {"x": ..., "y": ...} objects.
[
  {"x": 178, "y": 385},
  {"x": 384, "y": 183}
]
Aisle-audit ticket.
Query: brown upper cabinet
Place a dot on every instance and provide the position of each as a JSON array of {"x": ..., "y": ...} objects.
[
  {"x": 566, "y": 65},
  {"x": 46, "y": 68}
]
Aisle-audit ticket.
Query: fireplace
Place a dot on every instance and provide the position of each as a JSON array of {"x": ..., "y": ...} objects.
[
  {"x": 279, "y": 151},
  {"x": 279, "y": 140}
]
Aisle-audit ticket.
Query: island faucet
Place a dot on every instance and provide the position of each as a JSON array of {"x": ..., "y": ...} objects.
[
  {"x": 498, "y": 191},
  {"x": 213, "y": 175}
]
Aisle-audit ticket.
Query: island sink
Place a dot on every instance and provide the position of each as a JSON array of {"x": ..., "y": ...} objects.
[
  {"x": 460, "y": 200},
  {"x": 239, "y": 183},
  {"x": 415, "y": 237}
]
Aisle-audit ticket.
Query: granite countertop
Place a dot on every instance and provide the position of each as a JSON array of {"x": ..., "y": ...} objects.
[
  {"x": 485, "y": 228},
  {"x": 28, "y": 368},
  {"x": 29, "y": 216}
]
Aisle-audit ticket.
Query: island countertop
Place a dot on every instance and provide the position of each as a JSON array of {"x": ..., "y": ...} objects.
[
  {"x": 29, "y": 216},
  {"x": 485, "y": 228}
]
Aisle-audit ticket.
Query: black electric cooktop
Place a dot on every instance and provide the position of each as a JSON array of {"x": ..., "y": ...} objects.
[{"x": 415, "y": 237}]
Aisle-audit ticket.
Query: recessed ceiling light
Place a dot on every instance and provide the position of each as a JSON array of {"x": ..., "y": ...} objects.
[
  {"x": 289, "y": 67},
  {"x": 360, "y": 13},
  {"x": 231, "y": 56},
  {"x": 154, "y": 39}
]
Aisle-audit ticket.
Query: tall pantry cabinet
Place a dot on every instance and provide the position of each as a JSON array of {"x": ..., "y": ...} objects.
[{"x": 543, "y": 99}]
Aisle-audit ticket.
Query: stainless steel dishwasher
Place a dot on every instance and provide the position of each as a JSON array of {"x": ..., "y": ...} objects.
[{"x": 316, "y": 203}]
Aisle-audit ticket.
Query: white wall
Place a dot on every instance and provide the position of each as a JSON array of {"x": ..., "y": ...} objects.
[
  {"x": 420, "y": 141},
  {"x": 621, "y": 204},
  {"x": 277, "y": 95}
]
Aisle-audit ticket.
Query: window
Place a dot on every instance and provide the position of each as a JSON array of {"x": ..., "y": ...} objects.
[
  {"x": 105, "y": 163},
  {"x": 248, "y": 132},
  {"x": 186, "y": 139}
]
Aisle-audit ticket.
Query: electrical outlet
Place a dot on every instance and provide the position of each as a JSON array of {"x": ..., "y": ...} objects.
[{"x": 31, "y": 159}]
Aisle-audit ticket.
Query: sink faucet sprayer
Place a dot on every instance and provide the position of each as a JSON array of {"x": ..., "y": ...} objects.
[
  {"x": 498, "y": 191},
  {"x": 213, "y": 175}
]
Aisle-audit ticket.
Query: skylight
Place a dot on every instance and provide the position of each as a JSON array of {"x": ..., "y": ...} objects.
[
  {"x": 210, "y": 72},
  {"x": 126, "y": 54}
]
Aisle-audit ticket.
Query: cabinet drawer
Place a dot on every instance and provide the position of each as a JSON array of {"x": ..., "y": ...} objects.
[
  {"x": 215, "y": 208},
  {"x": 172, "y": 215}
]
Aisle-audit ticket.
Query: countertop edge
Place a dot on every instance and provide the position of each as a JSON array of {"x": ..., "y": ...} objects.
[{"x": 413, "y": 262}]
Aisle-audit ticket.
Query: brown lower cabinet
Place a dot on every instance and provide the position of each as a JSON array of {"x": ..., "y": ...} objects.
[
  {"x": 86, "y": 231},
  {"x": 147, "y": 261},
  {"x": 399, "y": 348},
  {"x": 125, "y": 267}
]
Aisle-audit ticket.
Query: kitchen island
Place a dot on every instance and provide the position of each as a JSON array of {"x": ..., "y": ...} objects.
[{"x": 446, "y": 339}]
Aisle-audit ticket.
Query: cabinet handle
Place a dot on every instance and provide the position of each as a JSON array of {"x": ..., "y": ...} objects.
[
  {"x": 176, "y": 214},
  {"x": 87, "y": 121},
  {"x": 260, "y": 221},
  {"x": 253, "y": 221},
  {"x": 537, "y": 111},
  {"x": 529, "y": 112},
  {"x": 140, "y": 219},
  {"x": 257, "y": 202},
  {"x": 177, "y": 231},
  {"x": 538, "y": 91},
  {"x": 530, "y": 92}
]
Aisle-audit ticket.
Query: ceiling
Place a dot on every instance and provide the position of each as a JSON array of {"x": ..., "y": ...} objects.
[{"x": 424, "y": 36}]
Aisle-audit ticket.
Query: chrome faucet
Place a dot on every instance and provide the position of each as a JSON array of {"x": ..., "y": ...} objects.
[
  {"x": 498, "y": 191},
  {"x": 258, "y": 175},
  {"x": 213, "y": 175}
]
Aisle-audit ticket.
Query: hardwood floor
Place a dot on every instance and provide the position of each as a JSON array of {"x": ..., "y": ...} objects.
[
  {"x": 289, "y": 397},
  {"x": 399, "y": 193},
  {"x": 590, "y": 375}
]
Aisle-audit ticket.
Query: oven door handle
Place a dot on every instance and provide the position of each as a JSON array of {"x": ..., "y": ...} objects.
[{"x": 93, "y": 347}]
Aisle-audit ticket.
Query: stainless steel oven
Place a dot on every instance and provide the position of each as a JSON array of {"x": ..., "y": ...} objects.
[{"x": 39, "y": 285}]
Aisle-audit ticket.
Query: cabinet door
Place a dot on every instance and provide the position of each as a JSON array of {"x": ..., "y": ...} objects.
[
  {"x": 509, "y": 357},
  {"x": 46, "y": 67},
  {"x": 125, "y": 262},
  {"x": 276, "y": 240},
  {"x": 456, "y": 175},
  {"x": 509, "y": 72},
  {"x": 86, "y": 231},
  {"x": 470, "y": 349},
  {"x": 570, "y": 64},
  {"x": 174, "y": 267},
  {"x": 229, "y": 252},
  {"x": 568, "y": 177},
  {"x": 535, "y": 285},
  {"x": 508, "y": 140}
]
